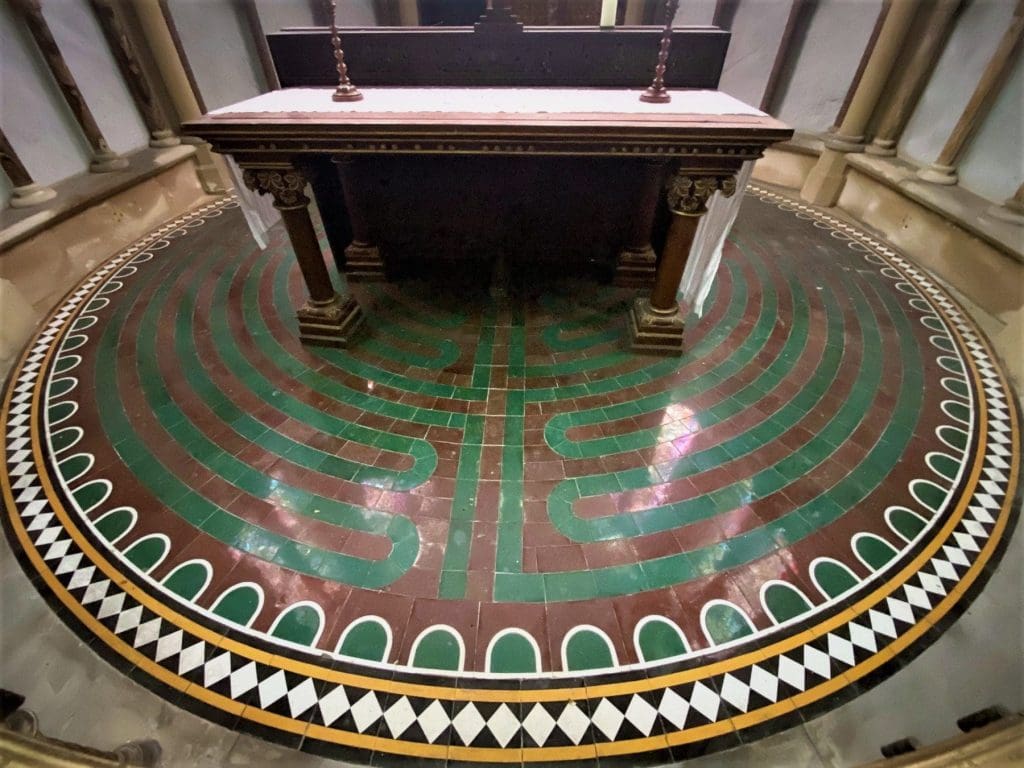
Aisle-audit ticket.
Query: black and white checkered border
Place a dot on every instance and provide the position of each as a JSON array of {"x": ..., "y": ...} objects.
[{"x": 653, "y": 706}]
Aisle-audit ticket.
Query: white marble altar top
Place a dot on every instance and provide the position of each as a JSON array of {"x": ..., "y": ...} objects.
[{"x": 491, "y": 101}]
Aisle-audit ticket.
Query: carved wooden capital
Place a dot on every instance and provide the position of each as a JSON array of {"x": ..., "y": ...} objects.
[
  {"x": 286, "y": 186},
  {"x": 689, "y": 195}
]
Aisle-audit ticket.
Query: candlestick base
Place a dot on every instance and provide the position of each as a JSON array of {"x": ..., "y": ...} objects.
[
  {"x": 346, "y": 93},
  {"x": 652, "y": 96}
]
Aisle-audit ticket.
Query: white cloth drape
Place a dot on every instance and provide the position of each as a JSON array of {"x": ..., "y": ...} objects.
[
  {"x": 708, "y": 242},
  {"x": 259, "y": 211}
]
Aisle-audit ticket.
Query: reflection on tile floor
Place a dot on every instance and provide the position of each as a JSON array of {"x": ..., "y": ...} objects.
[{"x": 488, "y": 530}]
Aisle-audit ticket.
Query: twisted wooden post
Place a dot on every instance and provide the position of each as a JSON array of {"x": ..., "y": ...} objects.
[
  {"x": 656, "y": 92},
  {"x": 345, "y": 90}
]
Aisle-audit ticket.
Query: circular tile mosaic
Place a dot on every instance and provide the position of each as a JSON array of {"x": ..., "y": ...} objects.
[{"x": 489, "y": 533}]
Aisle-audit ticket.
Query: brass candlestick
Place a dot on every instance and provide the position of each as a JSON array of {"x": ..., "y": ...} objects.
[
  {"x": 345, "y": 90},
  {"x": 656, "y": 92}
]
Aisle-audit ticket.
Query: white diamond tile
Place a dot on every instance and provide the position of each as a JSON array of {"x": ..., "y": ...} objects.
[
  {"x": 272, "y": 689},
  {"x": 168, "y": 645},
  {"x": 302, "y": 697},
  {"x": 674, "y": 708},
  {"x": 468, "y": 722},
  {"x": 216, "y": 669},
  {"x": 399, "y": 717},
  {"x": 539, "y": 724},
  {"x": 191, "y": 658},
  {"x": 433, "y": 720},
  {"x": 642, "y": 714},
  {"x": 735, "y": 692},
  {"x": 608, "y": 719},
  {"x": 764, "y": 683},
  {"x": 791, "y": 672},
  {"x": 334, "y": 704},
  {"x": 503, "y": 724},
  {"x": 366, "y": 711},
  {"x": 573, "y": 722},
  {"x": 705, "y": 701}
]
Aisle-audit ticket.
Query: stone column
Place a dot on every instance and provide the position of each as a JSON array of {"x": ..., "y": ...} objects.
[
  {"x": 1012, "y": 210},
  {"x": 211, "y": 171},
  {"x": 635, "y": 265},
  {"x": 25, "y": 192},
  {"x": 825, "y": 180},
  {"x": 657, "y": 324},
  {"x": 935, "y": 29},
  {"x": 943, "y": 170},
  {"x": 139, "y": 86},
  {"x": 104, "y": 159},
  {"x": 326, "y": 319},
  {"x": 363, "y": 262}
]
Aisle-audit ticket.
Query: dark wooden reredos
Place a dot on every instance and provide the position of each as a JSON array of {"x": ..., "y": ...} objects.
[{"x": 569, "y": 215}]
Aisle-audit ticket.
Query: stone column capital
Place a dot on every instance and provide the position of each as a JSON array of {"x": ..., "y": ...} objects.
[
  {"x": 286, "y": 185},
  {"x": 689, "y": 195}
]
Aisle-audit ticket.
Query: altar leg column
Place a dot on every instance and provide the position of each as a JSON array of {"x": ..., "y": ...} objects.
[
  {"x": 363, "y": 262},
  {"x": 635, "y": 266},
  {"x": 326, "y": 319},
  {"x": 656, "y": 324}
]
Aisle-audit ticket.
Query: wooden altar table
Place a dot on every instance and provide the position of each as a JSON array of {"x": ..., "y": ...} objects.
[{"x": 690, "y": 148}]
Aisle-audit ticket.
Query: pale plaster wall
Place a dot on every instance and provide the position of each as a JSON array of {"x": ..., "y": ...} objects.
[
  {"x": 756, "y": 31},
  {"x": 692, "y": 12},
  {"x": 277, "y": 14},
  {"x": 217, "y": 44},
  {"x": 36, "y": 119},
  {"x": 965, "y": 56},
  {"x": 993, "y": 165},
  {"x": 81, "y": 42},
  {"x": 836, "y": 38}
]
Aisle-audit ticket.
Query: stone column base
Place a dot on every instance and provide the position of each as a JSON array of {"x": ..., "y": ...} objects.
[
  {"x": 107, "y": 162},
  {"x": 881, "y": 147},
  {"x": 635, "y": 268},
  {"x": 161, "y": 139},
  {"x": 653, "y": 331},
  {"x": 938, "y": 174},
  {"x": 330, "y": 324},
  {"x": 31, "y": 194},
  {"x": 363, "y": 264}
]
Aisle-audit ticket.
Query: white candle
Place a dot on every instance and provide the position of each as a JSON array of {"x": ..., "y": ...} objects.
[{"x": 608, "y": 8}]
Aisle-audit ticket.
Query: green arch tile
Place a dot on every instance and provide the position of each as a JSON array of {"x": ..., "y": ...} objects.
[
  {"x": 954, "y": 437},
  {"x": 956, "y": 387},
  {"x": 930, "y": 495},
  {"x": 587, "y": 649},
  {"x": 905, "y": 523},
  {"x": 299, "y": 624},
  {"x": 944, "y": 465},
  {"x": 513, "y": 653},
  {"x": 189, "y": 580},
  {"x": 238, "y": 604},
  {"x": 957, "y": 410},
  {"x": 66, "y": 363},
  {"x": 660, "y": 639},
  {"x": 439, "y": 648},
  {"x": 66, "y": 438},
  {"x": 90, "y": 495},
  {"x": 950, "y": 363},
  {"x": 942, "y": 342},
  {"x": 60, "y": 387},
  {"x": 146, "y": 553},
  {"x": 832, "y": 578},
  {"x": 75, "y": 466},
  {"x": 116, "y": 523},
  {"x": 724, "y": 622},
  {"x": 366, "y": 640},
  {"x": 876, "y": 552},
  {"x": 784, "y": 602},
  {"x": 59, "y": 412}
]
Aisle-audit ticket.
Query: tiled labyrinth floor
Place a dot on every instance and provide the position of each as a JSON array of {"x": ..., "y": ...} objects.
[{"x": 487, "y": 532}]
